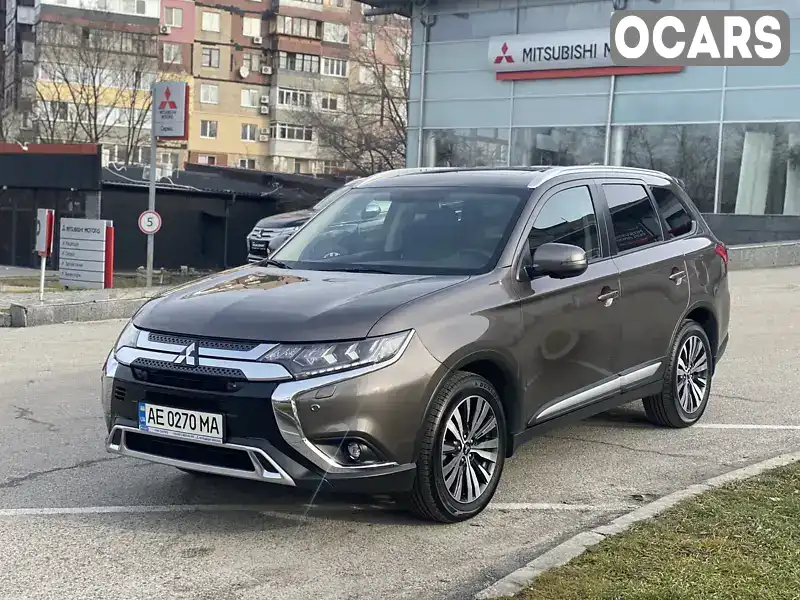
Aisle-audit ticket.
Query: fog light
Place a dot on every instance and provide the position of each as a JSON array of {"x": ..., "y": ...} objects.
[{"x": 354, "y": 450}]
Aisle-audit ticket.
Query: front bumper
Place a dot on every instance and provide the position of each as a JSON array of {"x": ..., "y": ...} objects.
[{"x": 276, "y": 429}]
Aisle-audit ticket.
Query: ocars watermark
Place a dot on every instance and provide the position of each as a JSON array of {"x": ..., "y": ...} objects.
[{"x": 699, "y": 37}]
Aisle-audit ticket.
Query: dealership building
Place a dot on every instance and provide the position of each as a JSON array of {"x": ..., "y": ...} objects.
[{"x": 524, "y": 82}]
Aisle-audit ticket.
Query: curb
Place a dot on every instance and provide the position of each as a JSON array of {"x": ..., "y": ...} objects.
[
  {"x": 100, "y": 309},
  {"x": 575, "y": 546}
]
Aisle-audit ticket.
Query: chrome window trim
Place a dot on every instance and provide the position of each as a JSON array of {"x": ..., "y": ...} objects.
[
  {"x": 258, "y": 474},
  {"x": 284, "y": 406}
]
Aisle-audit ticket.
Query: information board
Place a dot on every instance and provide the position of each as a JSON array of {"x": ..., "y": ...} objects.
[{"x": 85, "y": 253}]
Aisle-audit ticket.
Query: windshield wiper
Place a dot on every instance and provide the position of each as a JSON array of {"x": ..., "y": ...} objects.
[
  {"x": 363, "y": 270},
  {"x": 275, "y": 263}
]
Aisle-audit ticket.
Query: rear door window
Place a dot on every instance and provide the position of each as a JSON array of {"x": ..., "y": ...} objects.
[
  {"x": 634, "y": 220},
  {"x": 678, "y": 220}
]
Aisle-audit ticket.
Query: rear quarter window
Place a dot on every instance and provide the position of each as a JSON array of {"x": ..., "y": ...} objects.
[{"x": 679, "y": 221}]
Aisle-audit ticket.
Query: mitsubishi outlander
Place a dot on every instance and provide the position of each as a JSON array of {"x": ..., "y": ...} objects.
[{"x": 414, "y": 357}]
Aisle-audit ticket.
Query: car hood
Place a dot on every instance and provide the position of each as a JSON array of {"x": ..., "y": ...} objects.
[
  {"x": 289, "y": 219},
  {"x": 278, "y": 305}
]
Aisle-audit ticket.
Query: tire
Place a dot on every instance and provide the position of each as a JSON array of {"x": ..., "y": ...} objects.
[
  {"x": 430, "y": 497},
  {"x": 679, "y": 405}
]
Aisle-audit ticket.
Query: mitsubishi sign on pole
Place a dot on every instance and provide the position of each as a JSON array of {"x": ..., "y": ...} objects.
[{"x": 170, "y": 120}]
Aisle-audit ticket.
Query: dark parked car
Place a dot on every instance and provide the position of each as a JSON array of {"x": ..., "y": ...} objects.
[
  {"x": 414, "y": 358},
  {"x": 284, "y": 224}
]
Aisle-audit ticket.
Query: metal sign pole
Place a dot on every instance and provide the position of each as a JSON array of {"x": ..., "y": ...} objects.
[{"x": 151, "y": 200}]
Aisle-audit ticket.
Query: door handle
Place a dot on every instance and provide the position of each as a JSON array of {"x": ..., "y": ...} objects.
[
  {"x": 608, "y": 296},
  {"x": 677, "y": 276}
]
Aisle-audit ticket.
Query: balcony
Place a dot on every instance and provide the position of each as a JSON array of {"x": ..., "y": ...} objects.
[
  {"x": 28, "y": 15},
  {"x": 293, "y": 148}
]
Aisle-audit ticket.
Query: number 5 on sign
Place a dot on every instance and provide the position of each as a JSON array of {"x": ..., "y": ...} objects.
[{"x": 149, "y": 222}]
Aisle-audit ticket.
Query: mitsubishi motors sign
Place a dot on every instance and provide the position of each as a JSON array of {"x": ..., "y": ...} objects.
[
  {"x": 171, "y": 110},
  {"x": 559, "y": 54}
]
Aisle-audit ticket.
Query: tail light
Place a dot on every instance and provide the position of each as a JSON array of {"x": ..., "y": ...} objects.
[{"x": 722, "y": 250}]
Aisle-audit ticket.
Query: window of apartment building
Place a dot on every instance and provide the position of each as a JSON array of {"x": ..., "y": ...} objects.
[
  {"x": 210, "y": 21},
  {"x": 167, "y": 158},
  {"x": 329, "y": 102},
  {"x": 59, "y": 111},
  {"x": 368, "y": 40},
  {"x": 251, "y": 26},
  {"x": 211, "y": 57},
  {"x": 394, "y": 77},
  {"x": 247, "y": 163},
  {"x": 334, "y": 66},
  {"x": 295, "y": 98},
  {"x": 207, "y": 159},
  {"x": 366, "y": 76},
  {"x": 251, "y": 61},
  {"x": 250, "y": 98},
  {"x": 208, "y": 129},
  {"x": 249, "y": 132},
  {"x": 294, "y": 61},
  {"x": 330, "y": 167},
  {"x": 209, "y": 93},
  {"x": 286, "y": 131},
  {"x": 299, "y": 27},
  {"x": 339, "y": 3},
  {"x": 338, "y": 33},
  {"x": 134, "y": 7},
  {"x": 173, "y": 17},
  {"x": 172, "y": 54}
]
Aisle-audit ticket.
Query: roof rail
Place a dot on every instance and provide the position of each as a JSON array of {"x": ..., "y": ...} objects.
[{"x": 560, "y": 170}]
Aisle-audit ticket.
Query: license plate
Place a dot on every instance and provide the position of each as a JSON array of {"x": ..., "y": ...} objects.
[{"x": 177, "y": 422}]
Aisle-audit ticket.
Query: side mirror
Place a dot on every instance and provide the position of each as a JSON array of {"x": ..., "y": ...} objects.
[
  {"x": 559, "y": 261},
  {"x": 277, "y": 241},
  {"x": 371, "y": 211}
]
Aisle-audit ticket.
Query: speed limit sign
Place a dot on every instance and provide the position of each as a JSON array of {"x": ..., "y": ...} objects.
[{"x": 149, "y": 222}]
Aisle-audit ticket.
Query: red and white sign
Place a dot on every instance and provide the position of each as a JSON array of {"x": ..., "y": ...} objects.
[
  {"x": 86, "y": 253},
  {"x": 45, "y": 225},
  {"x": 171, "y": 110},
  {"x": 149, "y": 222},
  {"x": 559, "y": 54}
]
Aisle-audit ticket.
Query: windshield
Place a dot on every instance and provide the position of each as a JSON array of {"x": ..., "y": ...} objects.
[
  {"x": 330, "y": 198},
  {"x": 438, "y": 230}
]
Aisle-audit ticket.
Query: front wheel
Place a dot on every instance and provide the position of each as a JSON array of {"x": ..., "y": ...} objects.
[
  {"x": 462, "y": 451},
  {"x": 687, "y": 380}
]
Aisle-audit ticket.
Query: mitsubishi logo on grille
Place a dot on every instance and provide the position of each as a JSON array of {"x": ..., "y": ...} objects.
[
  {"x": 504, "y": 56},
  {"x": 189, "y": 357}
]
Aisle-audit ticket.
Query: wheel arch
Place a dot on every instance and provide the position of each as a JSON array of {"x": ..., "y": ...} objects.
[
  {"x": 704, "y": 315},
  {"x": 496, "y": 368}
]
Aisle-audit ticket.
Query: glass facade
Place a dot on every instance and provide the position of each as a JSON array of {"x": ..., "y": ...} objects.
[{"x": 731, "y": 134}]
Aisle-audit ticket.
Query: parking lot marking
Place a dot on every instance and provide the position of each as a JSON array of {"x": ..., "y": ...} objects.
[
  {"x": 274, "y": 510},
  {"x": 744, "y": 426}
]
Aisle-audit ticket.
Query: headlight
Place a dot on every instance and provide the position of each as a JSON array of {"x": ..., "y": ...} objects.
[
  {"x": 128, "y": 338},
  {"x": 309, "y": 360}
]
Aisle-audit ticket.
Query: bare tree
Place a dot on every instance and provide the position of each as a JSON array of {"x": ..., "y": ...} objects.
[
  {"x": 94, "y": 84},
  {"x": 362, "y": 122}
]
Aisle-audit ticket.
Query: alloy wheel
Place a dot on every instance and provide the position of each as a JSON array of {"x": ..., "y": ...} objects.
[
  {"x": 469, "y": 452},
  {"x": 692, "y": 373}
]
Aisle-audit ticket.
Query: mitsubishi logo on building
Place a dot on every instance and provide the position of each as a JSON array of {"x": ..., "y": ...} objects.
[
  {"x": 189, "y": 357},
  {"x": 504, "y": 55},
  {"x": 167, "y": 103}
]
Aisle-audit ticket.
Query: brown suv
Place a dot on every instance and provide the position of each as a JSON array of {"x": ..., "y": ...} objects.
[{"x": 413, "y": 358}]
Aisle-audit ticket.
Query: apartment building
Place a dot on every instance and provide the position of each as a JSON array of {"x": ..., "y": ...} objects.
[
  {"x": 81, "y": 71},
  {"x": 229, "y": 105}
]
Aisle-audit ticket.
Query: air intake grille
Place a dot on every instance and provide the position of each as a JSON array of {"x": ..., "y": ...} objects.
[
  {"x": 149, "y": 363},
  {"x": 160, "y": 338}
]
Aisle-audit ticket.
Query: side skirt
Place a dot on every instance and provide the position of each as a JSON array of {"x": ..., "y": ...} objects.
[{"x": 585, "y": 412}]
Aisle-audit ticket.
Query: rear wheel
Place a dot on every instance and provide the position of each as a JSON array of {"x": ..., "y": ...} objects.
[
  {"x": 687, "y": 380},
  {"x": 462, "y": 452}
]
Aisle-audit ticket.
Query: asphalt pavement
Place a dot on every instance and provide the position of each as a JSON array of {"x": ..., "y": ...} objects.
[{"x": 78, "y": 523}]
